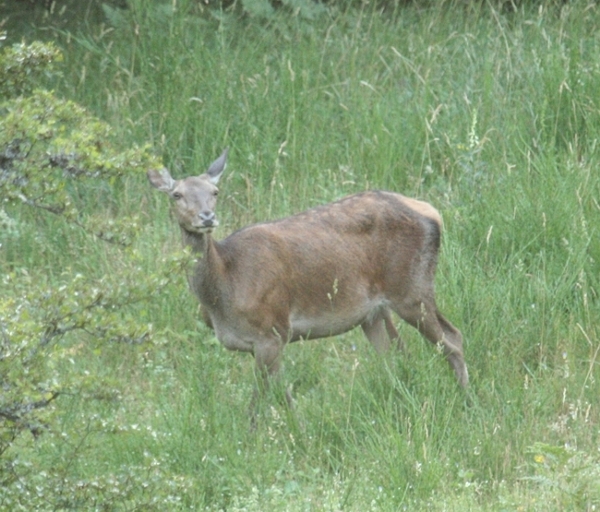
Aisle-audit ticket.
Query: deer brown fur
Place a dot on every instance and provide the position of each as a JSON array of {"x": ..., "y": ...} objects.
[{"x": 315, "y": 274}]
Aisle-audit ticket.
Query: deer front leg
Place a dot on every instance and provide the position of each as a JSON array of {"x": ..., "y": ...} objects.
[{"x": 267, "y": 356}]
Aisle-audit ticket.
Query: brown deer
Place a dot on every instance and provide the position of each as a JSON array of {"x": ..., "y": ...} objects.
[{"x": 315, "y": 274}]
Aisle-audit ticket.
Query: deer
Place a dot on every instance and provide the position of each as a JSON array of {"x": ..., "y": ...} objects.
[{"x": 315, "y": 274}]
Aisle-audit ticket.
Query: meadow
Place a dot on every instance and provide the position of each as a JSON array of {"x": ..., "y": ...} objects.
[{"x": 491, "y": 115}]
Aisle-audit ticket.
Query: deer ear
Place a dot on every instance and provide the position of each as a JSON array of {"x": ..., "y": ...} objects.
[
  {"x": 161, "y": 180},
  {"x": 217, "y": 167}
]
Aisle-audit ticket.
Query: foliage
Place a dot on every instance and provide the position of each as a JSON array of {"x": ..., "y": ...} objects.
[
  {"x": 52, "y": 155},
  {"x": 265, "y": 9},
  {"x": 21, "y": 65},
  {"x": 130, "y": 487},
  {"x": 51, "y": 146},
  {"x": 565, "y": 475}
]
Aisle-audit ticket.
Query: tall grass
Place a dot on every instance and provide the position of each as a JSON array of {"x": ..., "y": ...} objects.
[{"x": 493, "y": 117}]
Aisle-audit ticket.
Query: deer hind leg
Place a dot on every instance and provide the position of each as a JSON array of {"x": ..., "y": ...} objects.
[
  {"x": 381, "y": 332},
  {"x": 425, "y": 316}
]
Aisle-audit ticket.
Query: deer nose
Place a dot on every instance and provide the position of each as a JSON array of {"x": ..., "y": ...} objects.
[{"x": 208, "y": 218}]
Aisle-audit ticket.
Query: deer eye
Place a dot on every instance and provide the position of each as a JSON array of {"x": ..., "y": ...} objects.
[
  {"x": 177, "y": 195},
  {"x": 215, "y": 193}
]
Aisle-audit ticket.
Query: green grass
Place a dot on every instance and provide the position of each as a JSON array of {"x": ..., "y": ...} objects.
[{"x": 495, "y": 119}]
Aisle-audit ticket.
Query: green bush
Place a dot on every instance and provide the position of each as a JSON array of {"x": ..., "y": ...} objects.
[{"x": 53, "y": 157}]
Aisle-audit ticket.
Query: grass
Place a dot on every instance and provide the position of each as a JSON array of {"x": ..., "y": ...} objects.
[{"x": 494, "y": 118}]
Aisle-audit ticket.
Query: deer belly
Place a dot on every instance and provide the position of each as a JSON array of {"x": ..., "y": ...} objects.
[
  {"x": 233, "y": 339},
  {"x": 331, "y": 323}
]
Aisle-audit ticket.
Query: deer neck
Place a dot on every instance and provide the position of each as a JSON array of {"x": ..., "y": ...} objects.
[
  {"x": 204, "y": 279},
  {"x": 197, "y": 242}
]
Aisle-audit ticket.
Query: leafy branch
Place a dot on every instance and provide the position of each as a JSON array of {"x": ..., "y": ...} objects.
[{"x": 49, "y": 147}]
